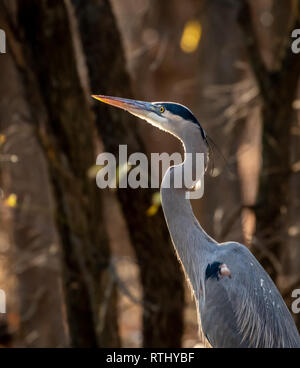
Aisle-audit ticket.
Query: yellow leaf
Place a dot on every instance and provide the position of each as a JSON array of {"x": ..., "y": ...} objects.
[
  {"x": 156, "y": 203},
  {"x": 191, "y": 36},
  {"x": 93, "y": 171},
  {"x": 122, "y": 171},
  {"x": 156, "y": 200},
  {"x": 2, "y": 138},
  {"x": 11, "y": 201},
  {"x": 151, "y": 211}
]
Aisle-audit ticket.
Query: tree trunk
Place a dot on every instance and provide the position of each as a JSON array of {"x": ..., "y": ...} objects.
[
  {"x": 278, "y": 88},
  {"x": 34, "y": 257},
  {"x": 217, "y": 94},
  {"x": 161, "y": 276},
  {"x": 46, "y": 59}
]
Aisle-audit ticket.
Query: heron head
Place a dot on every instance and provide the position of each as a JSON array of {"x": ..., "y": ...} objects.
[{"x": 168, "y": 116}]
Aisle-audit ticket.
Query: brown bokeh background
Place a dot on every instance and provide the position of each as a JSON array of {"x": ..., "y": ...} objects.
[{"x": 88, "y": 267}]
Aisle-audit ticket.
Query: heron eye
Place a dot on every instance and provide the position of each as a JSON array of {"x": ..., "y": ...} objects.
[{"x": 162, "y": 109}]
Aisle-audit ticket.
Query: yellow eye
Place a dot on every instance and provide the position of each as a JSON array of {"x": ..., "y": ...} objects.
[{"x": 162, "y": 109}]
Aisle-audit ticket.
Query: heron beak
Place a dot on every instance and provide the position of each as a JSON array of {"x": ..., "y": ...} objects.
[{"x": 139, "y": 108}]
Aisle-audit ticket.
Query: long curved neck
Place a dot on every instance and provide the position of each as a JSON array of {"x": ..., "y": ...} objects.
[{"x": 193, "y": 246}]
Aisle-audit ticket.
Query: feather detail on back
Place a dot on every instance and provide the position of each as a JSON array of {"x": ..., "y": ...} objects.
[{"x": 262, "y": 318}]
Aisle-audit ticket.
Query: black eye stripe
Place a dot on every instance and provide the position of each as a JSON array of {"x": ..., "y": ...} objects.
[{"x": 185, "y": 113}]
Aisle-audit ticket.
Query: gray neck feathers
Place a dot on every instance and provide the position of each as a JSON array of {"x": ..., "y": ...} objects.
[{"x": 193, "y": 246}]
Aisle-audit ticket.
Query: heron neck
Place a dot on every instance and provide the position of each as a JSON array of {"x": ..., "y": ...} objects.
[{"x": 193, "y": 245}]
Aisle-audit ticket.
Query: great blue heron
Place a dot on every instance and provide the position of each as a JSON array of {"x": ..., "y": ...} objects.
[{"x": 238, "y": 303}]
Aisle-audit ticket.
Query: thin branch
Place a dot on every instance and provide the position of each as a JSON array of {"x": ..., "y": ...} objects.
[
  {"x": 123, "y": 288},
  {"x": 286, "y": 292},
  {"x": 268, "y": 254},
  {"x": 256, "y": 60}
]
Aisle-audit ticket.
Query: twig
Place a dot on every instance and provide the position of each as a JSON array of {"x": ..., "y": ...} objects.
[
  {"x": 267, "y": 253},
  {"x": 123, "y": 288}
]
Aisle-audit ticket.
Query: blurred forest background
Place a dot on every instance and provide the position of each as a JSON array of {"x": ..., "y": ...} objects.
[{"x": 85, "y": 267}]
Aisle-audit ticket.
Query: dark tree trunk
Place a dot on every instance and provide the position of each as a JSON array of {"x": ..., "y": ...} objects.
[
  {"x": 161, "y": 276},
  {"x": 46, "y": 59},
  {"x": 213, "y": 107},
  {"x": 273, "y": 197},
  {"x": 278, "y": 89},
  {"x": 33, "y": 257}
]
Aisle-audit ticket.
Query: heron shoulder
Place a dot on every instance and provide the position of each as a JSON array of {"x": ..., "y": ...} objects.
[{"x": 258, "y": 310}]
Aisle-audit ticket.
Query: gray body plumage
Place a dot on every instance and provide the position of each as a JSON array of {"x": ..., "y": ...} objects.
[
  {"x": 244, "y": 310},
  {"x": 248, "y": 306}
]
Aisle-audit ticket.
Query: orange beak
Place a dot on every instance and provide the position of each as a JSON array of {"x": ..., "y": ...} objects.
[{"x": 132, "y": 106}]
